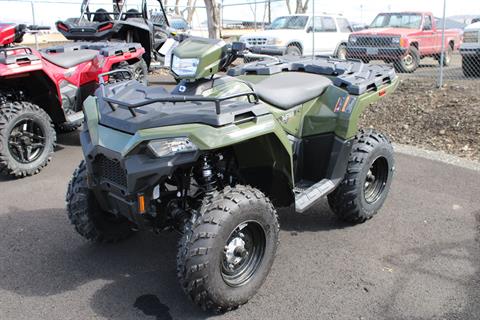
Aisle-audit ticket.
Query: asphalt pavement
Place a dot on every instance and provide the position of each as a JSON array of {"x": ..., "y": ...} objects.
[{"x": 418, "y": 259}]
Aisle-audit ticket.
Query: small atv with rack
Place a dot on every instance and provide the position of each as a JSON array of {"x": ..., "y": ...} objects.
[
  {"x": 218, "y": 155},
  {"x": 41, "y": 91}
]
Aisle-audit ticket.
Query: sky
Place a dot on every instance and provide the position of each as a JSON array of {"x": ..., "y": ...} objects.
[{"x": 360, "y": 11}]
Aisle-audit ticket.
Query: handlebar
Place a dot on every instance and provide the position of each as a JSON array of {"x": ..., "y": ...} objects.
[{"x": 38, "y": 28}]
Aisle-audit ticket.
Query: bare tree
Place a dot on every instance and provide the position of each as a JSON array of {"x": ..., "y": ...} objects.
[
  {"x": 190, "y": 10},
  {"x": 213, "y": 18},
  {"x": 177, "y": 8},
  {"x": 301, "y": 7},
  {"x": 288, "y": 6}
]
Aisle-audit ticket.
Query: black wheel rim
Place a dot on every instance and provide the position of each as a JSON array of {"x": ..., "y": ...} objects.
[
  {"x": 26, "y": 141},
  {"x": 243, "y": 253},
  {"x": 376, "y": 180},
  {"x": 138, "y": 74}
]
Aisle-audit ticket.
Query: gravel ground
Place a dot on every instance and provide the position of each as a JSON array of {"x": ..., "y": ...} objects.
[{"x": 421, "y": 115}]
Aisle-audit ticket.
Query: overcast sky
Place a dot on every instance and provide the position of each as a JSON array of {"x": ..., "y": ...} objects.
[{"x": 355, "y": 10}]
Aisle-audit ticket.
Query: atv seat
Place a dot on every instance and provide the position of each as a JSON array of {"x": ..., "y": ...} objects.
[
  {"x": 70, "y": 59},
  {"x": 286, "y": 90}
]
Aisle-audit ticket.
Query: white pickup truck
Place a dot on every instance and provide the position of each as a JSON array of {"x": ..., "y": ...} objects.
[
  {"x": 298, "y": 34},
  {"x": 470, "y": 50}
]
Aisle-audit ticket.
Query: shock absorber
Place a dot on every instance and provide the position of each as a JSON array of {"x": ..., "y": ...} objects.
[{"x": 206, "y": 177}]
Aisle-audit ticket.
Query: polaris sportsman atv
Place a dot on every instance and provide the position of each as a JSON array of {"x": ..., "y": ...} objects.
[
  {"x": 40, "y": 90},
  {"x": 215, "y": 157},
  {"x": 149, "y": 27}
]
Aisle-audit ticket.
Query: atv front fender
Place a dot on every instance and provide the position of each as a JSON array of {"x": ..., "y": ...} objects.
[{"x": 261, "y": 142}]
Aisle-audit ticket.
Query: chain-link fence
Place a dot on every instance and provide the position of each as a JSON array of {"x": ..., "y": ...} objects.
[{"x": 437, "y": 40}]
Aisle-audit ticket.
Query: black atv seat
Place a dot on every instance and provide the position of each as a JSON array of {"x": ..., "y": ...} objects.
[
  {"x": 70, "y": 59},
  {"x": 286, "y": 90}
]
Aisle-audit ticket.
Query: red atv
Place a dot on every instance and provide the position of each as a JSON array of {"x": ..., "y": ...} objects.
[{"x": 43, "y": 91}]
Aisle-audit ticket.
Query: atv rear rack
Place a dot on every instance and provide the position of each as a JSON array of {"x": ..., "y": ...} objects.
[
  {"x": 20, "y": 58},
  {"x": 251, "y": 96}
]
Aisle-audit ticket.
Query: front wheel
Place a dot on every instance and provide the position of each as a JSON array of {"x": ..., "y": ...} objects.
[
  {"x": 27, "y": 139},
  {"x": 293, "y": 51},
  {"x": 139, "y": 70},
  {"x": 410, "y": 62},
  {"x": 342, "y": 52},
  {"x": 89, "y": 220},
  {"x": 227, "y": 250},
  {"x": 367, "y": 181}
]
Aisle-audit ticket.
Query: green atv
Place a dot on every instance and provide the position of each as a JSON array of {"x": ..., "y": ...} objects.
[{"x": 215, "y": 157}]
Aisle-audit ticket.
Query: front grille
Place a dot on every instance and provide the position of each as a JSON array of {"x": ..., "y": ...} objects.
[
  {"x": 374, "y": 42},
  {"x": 110, "y": 170},
  {"x": 257, "y": 41},
  {"x": 471, "y": 37}
]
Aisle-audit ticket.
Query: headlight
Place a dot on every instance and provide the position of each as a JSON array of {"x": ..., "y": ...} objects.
[
  {"x": 184, "y": 67},
  {"x": 169, "y": 147},
  {"x": 275, "y": 41},
  {"x": 353, "y": 40}
]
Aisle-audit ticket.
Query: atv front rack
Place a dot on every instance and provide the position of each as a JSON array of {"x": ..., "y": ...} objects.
[{"x": 251, "y": 96}]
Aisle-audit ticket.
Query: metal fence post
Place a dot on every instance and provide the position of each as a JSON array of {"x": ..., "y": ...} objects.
[
  {"x": 255, "y": 18},
  {"x": 442, "y": 54},
  {"x": 313, "y": 29},
  {"x": 33, "y": 21}
]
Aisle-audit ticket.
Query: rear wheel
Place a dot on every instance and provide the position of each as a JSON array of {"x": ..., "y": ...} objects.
[
  {"x": 367, "y": 180},
  {"x": 27, "y": 139},
  {"x": 447, "y": 58},
  {"x": 227, "y": 250},
  {"x": 89, "y": 220},
  {"x": 410, "y": 62}
]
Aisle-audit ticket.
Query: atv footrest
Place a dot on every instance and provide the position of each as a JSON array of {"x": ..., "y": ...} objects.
[
  {"x": 75, "y": 118},
  {"x": 305, "y": 198}
]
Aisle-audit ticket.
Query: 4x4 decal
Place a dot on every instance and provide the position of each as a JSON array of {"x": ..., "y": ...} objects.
[{"x": 345, "y": 104}]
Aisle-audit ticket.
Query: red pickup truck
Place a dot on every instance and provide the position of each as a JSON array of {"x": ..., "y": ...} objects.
[{"x": 403, "y": 38}]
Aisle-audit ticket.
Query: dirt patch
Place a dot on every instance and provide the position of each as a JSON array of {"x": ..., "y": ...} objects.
[{"x": 446, "y": 119}]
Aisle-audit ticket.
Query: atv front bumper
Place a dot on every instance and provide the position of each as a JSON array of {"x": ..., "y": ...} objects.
[{"x": 117, "y": 181}]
